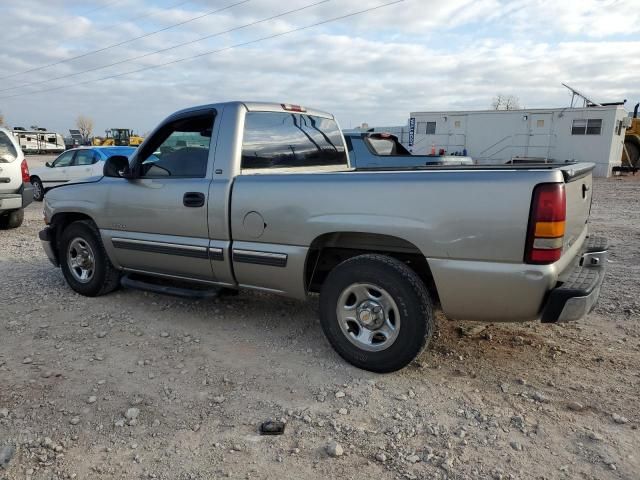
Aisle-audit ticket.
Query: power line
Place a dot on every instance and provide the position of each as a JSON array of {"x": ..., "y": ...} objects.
[
  {"x": 147, "y": 15},
  {"x": 124, "y": 42},
  {"x": 102, "y": 7},
  {"x": 211, "y": 52},
  {"x": 162, "y": 50}
]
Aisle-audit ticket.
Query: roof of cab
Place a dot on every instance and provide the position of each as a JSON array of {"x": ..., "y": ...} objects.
[{"x": 254, "y": 107}]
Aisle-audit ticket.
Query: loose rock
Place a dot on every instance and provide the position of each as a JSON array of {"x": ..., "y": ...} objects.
[
  {"x": 334, "y": 449},
  {"x": 6, "y": 454},
  {"x": 619, "y": 419},
  {"x": 381, "y": 457},
  {"x": 575, "y": 406},
  {"x": 539, "y": 397},
  {"x": 132, "y": 413}
]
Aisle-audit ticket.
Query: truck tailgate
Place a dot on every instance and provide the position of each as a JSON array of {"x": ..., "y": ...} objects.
[{"x": 578, "y": 189}]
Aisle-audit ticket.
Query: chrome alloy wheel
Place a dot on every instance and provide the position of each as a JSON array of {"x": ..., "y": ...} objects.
[
  {"x": 81, "y": 260},
  {"x": 368, "y": 316}
]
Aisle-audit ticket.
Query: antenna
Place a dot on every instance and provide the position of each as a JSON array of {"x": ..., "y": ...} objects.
[{"x": 575, "y": 94}]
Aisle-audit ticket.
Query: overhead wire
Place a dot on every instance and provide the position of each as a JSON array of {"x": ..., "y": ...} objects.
[
  {"x": 211, "y": 52},
  {"x": 166, "y": 49},
  {"x": 102, "y": 7},
  {"x": 124, "y": 42}
]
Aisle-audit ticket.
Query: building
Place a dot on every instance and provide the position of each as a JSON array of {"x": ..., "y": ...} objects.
[{"x": 590, "y": 134}]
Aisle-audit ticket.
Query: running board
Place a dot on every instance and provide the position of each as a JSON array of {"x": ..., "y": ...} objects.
[{"x": 148, "y": 286}]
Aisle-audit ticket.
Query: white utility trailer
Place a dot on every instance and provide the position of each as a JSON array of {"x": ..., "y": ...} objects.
[{"x": 589, "y": 134}]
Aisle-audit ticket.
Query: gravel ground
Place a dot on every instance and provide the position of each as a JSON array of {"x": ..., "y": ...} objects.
[{"x": 136, "y": 385}]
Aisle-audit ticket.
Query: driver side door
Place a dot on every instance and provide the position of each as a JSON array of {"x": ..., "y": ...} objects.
[{"x": 156, "y": 223}]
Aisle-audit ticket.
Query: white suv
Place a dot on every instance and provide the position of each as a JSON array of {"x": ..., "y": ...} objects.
[{"x": 15, "y": 189}]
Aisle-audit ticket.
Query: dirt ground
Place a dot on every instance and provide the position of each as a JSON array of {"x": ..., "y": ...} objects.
[{"x": 136, "y": 385}]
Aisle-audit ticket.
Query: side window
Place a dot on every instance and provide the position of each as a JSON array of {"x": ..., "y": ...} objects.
[
  {"x": 84, "y": 158},
  {"x": 180, "y": 149},
  {"x": 385, "y": 145},
  {"x": 591, "y": 126},
  {"x": 594, "y": 126},
  {"x": 275, "y": 140},
  {"x": 6, "y": 146},
  {"x": 64, "y": 160},
  {"x": 431, "y": 128}
]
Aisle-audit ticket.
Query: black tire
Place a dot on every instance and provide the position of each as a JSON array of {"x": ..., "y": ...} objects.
[
  {"x": 105, "y": 277},
  {"x": 404, "y": 287},
  {"x": 13, "y": 219},
  {"x": 38, "y": 189}
]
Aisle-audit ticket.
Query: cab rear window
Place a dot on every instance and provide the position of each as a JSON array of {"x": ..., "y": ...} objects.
[{"x": 275, "y": 140}]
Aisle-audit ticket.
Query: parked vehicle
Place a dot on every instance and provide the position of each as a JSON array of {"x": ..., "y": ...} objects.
[
  {"x": 375, "y": 150},
  {"x": 15, "y": 189},
  {"x": 73, "y": 165},
  {"x": 39, "y": 140},
  {"x": 263, "y": 196}
]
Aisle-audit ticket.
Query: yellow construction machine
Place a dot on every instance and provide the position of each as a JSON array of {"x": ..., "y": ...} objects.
[
  {"x": 631, "y": 150},
  {"x": 118, "y": 137}
]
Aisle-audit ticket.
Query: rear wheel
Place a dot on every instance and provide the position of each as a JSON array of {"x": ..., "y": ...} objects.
[
  {"x": 376, "y": 312},
  {"x": 12, "y": 219},
  {"x": 84, "y": 261},
  {"x": 38, "y": 189}
]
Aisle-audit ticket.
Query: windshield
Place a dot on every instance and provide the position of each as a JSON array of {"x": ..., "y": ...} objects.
[{"x": 7, "y": 149}]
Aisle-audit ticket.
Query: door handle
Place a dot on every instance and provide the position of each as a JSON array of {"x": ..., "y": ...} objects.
[{"x": 193, "y": 199}]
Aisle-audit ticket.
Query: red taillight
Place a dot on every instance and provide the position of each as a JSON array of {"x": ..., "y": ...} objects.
[
  {"x": 25, "y": 171},
  {"x": 293, "y": 108},
  {"x": 546, "y": 224}
]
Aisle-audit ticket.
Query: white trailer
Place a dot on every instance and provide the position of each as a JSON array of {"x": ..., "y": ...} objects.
[
  {"x": 591, "y": 134},
  {"x": 39, "y": 141}
]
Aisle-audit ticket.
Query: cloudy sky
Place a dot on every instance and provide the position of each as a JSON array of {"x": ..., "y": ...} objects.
[{"x": 374, "y": 67}]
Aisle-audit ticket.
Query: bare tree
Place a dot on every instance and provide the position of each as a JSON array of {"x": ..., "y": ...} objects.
[
  {"x": 85, "y": 125},
  {"x": 505, "y": 102},
  {"x": 1, "y": 120}
]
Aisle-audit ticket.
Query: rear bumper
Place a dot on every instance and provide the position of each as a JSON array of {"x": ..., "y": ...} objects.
[
  {"x": 579, "y": 294},
  {"x": 10, "y": 201},
  {"x": 48, "y": 241}
]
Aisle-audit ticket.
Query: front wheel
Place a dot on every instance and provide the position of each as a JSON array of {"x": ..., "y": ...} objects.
[
  {"x": 38, "y": 189},
  {"x": 376, "y": 312},
  {"x": 84, "y": 261}
]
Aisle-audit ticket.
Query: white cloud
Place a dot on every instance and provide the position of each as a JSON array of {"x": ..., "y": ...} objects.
[{"x": 377, "y": 67}]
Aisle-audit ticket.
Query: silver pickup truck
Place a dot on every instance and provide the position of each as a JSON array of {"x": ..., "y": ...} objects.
[{"x": 262, "y": 196}]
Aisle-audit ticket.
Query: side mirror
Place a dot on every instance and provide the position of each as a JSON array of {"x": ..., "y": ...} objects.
[
  {"x": 48, "y": 164},
  {"x": 117, "y": 166}
]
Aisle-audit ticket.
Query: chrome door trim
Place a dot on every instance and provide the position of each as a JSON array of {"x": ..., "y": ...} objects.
[{"x": 160, "y": 247}]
